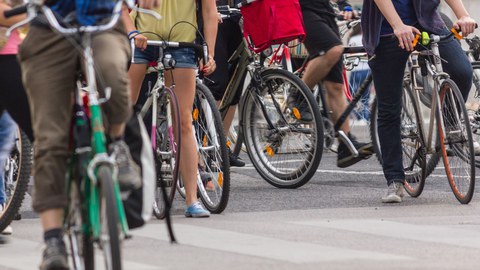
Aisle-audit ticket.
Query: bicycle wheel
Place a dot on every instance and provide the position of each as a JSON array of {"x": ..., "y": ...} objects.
[
  {"x": 287, "y": 151},
  {"x": 456, "y": 142},
  {"x": 17, "y": 175},
  {"x": 413, "y": 148},
  {"x": 80, "y": 241},
  {"x": 109, "y": 237},
  {"x": 167, "y": 150},
  {"x": 213, "y": 162}
]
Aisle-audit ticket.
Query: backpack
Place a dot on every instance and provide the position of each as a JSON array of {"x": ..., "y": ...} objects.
[{"x": 139, "y": 203}]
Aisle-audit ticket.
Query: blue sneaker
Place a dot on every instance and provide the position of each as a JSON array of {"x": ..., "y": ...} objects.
[{"x": 196, "y": 210}]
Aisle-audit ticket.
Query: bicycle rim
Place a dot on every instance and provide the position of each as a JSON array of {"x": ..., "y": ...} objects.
[
  {"x": 167, "y": 150},
  {"x": 288, "y": 154},
  {"x": 456, "y": 142},
  {"x": 213, "y": 162},
  {"x": 109, "y": 238},
  {"x": 17, "y": 175},
  {"x": 413, "y": 146}
]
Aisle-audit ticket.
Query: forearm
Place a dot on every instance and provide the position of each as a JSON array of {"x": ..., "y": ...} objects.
[
  {"x": 210, "y": 24},
  {"x": 388, "y": 10},
  {"x": 458, "y": 8},
  {"x": 127, "y": 20}
]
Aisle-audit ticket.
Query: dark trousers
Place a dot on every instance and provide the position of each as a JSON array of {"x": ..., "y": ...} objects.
[{"x": 388, "y": 68}]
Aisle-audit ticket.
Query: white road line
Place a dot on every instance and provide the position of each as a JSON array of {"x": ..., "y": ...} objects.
[
  {"x": 22, "y": 254},
  {"x": 425, "y": 233},
  {"x": 260, "y": 246}
]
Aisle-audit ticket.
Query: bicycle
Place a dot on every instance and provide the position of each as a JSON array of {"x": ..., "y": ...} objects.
[
  {"x": 283, "y": 148},
  {"x": 17, "y": 175},
  {"x": 95, "y": 213},
  {"x": 452, "y": 139}
]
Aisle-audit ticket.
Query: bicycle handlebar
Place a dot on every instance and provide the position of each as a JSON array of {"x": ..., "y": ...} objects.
[
  {"x": 426, "y": 38},
  {"x": 15, "y": 11},
  {"x": 202, "y": 49}
]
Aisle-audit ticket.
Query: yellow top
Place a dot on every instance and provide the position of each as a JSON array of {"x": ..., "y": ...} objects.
[{"x": 172, "y": 12}]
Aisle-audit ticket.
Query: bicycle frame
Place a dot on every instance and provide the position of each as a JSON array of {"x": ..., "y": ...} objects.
[
  {"x": 91, "y": 155},
  {"x": 435, "y": 70}
]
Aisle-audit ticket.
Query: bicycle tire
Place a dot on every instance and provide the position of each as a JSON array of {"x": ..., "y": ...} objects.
[
  {"x": 214, "y": 162},
  {"x": 109, "y": 238},
  {"x": 167, "y": 151},
  {"x": 460, "y": 147},
  {"x": 20, "y": 161},
  {"x": 80, "y": 242},
  {"x": 266, "y": 146}
]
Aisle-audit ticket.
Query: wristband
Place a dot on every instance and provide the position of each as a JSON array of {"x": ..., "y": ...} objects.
[
  {"x": 133, "y": 32},
  {"x": 347, "y": 8}
]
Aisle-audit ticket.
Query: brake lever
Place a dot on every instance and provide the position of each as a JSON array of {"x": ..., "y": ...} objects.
[{"x": 31, "y": 14}]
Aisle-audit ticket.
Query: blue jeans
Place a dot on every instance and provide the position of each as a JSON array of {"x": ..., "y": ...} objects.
[
  {"x": 388, "y": 67},
  {"x": 7, "y": 135}
]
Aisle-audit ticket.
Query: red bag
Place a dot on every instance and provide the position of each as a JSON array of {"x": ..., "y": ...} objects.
[{"x": 268, "y": 22}]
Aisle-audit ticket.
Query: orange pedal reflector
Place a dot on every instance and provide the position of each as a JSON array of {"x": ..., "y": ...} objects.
[
  {"x": 205, "y": 141},
  {"x": 229, "y": 143},
  {"x": 195, "y": 114},
  {"x": 296, "y": 113},
  {"x": 220, "y": 179},
  {"x": 270, "y": 151}
]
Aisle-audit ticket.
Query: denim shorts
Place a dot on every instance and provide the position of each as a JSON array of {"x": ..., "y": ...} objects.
[{"x": 184, "y": 57}]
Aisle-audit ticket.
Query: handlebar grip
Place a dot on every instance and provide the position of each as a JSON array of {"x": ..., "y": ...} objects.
[
  {"x": 457, "y": 34},
  {"x": 15, "y": 11}
]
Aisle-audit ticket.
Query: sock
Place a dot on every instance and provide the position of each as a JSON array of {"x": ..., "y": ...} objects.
[{"x": 53, "y": 233}]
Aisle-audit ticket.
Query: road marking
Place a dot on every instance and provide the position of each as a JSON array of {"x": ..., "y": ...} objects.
[
  {"x": 250, "y": 167},
  {"x": 424, "y": 233},
  {"x": 20, "y": 254},
  {"x": 260, "y": 246}
]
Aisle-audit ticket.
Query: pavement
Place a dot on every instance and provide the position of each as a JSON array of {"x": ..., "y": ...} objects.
[{"x": 336, "y": 221}]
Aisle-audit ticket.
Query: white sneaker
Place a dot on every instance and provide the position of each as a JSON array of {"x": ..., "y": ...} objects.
[
  {"x": 394, "y": 193},
  {"x": 476, "y": 147}
]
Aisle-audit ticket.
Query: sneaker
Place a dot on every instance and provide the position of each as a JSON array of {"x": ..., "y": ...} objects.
[
  {"x": 235, "y": 161},
  {"x": 345, "y": 158},
  {"x": 299, "y": 107},
  {"x": 54, "y": 255},
  {"x": 394, "y": 193},
  {"x": 128, "y": 170},
  {"x": 476, "y": 147},
  {"x": 196, "y": 210},
  {"x": 206, "y": 179},
  {"x": 8, "y": 230}
]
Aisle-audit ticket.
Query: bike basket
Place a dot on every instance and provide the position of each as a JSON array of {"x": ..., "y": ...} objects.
[{"x": 268, "y": 22}]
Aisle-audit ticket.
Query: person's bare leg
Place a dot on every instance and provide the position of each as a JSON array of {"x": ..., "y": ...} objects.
[
  {"x": 320, "y": 66},
  {"x": 184, "y": 80},
  {"x": 227, "y": 121},
  {"x": 337, "y": 103},
  {"x": 136, "y": 74},
  {"x": 51, "y": 219}
]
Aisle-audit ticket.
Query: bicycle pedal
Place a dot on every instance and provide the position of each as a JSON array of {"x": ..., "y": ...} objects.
[{"x": 128, "y": 236}]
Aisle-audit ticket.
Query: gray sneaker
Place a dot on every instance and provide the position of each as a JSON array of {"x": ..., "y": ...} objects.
[
  {"x": 54, "y": 255},
  {"x": 394, "y": 193},
  {"x": 128, "y": 170}
]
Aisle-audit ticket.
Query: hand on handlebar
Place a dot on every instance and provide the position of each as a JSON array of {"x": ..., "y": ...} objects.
[
  {"x": 210, "y": 67},
  {"x": 149, "y": 4},
  {"x": 466, "y": 24},
  {"x": 140, "y": 41},
  {"x": 405, "y": 35}
]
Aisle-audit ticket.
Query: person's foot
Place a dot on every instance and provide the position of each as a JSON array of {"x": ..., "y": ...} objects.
[
  {"x": 196, "y": 210},
  {"x": 8, "y": 230},
  {"x": 128, "y": 171},
  {"x": 206, "y": 179},
  {"x": 394, "y": 193},
  {"x": 476, "y": 147},
  {"x": 54, "y": 255},
  {"x": 345, "y": 158},
  {"x": 235, "y": 161},
  {"x": 299, "y": 107}
]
